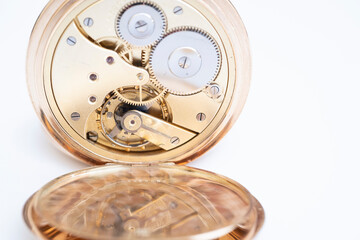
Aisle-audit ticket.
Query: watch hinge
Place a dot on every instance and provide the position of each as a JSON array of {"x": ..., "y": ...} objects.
[{"x": 143, "y": 164}]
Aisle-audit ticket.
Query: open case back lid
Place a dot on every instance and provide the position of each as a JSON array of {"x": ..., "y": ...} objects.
[{"x": 122, "y": 202}]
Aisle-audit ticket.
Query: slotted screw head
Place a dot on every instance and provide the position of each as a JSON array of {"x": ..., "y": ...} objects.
[
  {"x": 178, "y": 10},
  {"x": 88, "y": 22},
  {"x": 141, "y": 26},
  {"x": 92, "y": 136},
  {"x": 175, "y": 140},
  {"x": 201, "y": 117},
  {"x": 215, "y": 90},
  {"x": 71, "y": 41},
  {"x": 184, "y": 62},
  {"x": 75, "y": 116}
]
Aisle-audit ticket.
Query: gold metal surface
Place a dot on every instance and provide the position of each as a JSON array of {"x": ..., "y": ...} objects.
[
  {"x": 109, "y": 120},
  {"x": 71, "y": 70},
  {"x": 58, "y": 90},
  {"x": 159, "y": 132},
  {"x": 98, "y": 98},
  {"x": 120, "y": 202},
  {"x": 72, "y": 65}
]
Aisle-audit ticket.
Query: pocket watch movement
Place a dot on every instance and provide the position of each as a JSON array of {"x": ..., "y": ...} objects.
[{"x": 138, "y": 88}]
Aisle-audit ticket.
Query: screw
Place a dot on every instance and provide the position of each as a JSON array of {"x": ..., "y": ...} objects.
[
  {"x": 215, "y": 90},
  {"x": 75, "y": 116},
  {"x": 178, "y": 10},
  {"x": 92, "y": 99},
  {"x": 93, "y": 77},
  {"x": 71, "y": 40},
  {"x": 184, "y": 62},
  {"x": 141, "y": 26},
  {"x": 110, "y": 60},
  {"x": 201, "y": 117},
  {"x": 92, "y": 136},
  {"x": 88, "y": 22},
  {"x": 175, "y": 140}
]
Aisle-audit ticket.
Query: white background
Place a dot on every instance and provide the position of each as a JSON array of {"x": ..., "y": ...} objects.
[{"x": 295, "y": 147}]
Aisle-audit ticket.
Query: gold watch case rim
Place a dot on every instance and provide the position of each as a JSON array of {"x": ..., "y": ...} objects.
[{"x": 55, "y": 13}]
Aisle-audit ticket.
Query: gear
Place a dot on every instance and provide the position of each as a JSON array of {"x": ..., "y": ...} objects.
[
  {"x": 145, "y": 56},
  {"x": 140, "y": 95},
  {"x": 185, "y": 61},
  {"x": 141, "y": 24},
  {"x": 127, "y": 55},
  {"x": 111, "y": 115}
]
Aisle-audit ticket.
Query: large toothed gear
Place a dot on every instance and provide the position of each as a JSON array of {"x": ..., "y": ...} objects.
[
  {"x": 185, "y": 61},
  {"x": 141, "y": 24}
]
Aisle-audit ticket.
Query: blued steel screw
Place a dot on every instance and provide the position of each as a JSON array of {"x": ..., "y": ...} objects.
[
  {"x": 88, "y": 22},
  {"x": 71, "y": 40},
  {"x": 178, "y": 10}
]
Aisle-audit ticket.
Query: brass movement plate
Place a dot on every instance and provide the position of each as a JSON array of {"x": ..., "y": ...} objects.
[{"x": 86, "y": 71}]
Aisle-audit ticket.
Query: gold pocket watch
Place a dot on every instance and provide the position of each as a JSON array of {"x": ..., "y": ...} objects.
[{"x": 139, "y": 88}]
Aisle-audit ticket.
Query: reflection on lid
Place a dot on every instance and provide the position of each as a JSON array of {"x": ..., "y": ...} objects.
[{"x": 118, "y": 202}]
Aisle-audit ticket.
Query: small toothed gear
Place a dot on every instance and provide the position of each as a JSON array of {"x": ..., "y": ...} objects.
[
  {"x": 126, "y": 55},
  {"x": 140, "y": 95},
  {"x": 141, "y": 24},
  {"x": 185, "y": 61},
  {"x": 145, "y": 57}
]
